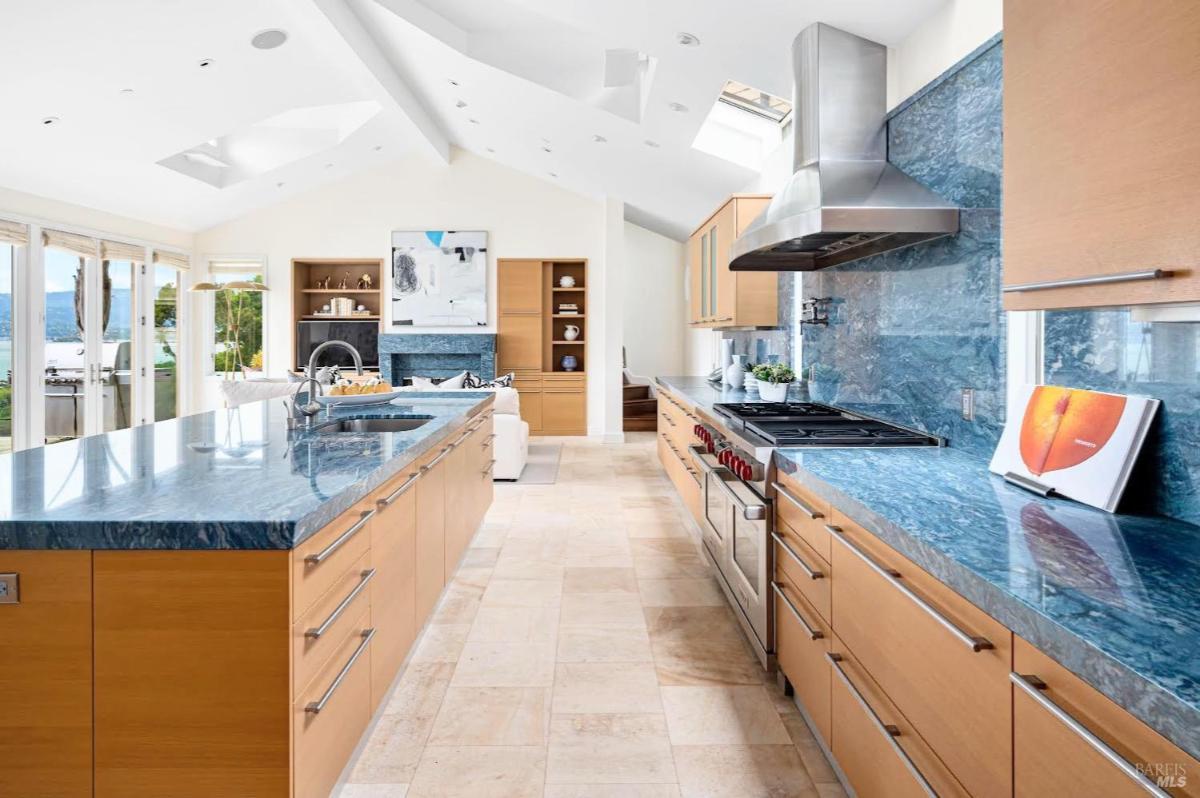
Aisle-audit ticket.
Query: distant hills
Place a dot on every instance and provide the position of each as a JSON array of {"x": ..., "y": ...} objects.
[{"x": 60, "y": 315}]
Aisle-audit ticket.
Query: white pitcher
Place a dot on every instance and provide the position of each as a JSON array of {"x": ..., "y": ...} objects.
[
  {"x": 570, "y": 332},
  {"x": 735, "y": 372}
]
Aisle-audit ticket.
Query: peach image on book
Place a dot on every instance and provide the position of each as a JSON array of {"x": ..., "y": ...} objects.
[{"x": 1063, "y": 428}]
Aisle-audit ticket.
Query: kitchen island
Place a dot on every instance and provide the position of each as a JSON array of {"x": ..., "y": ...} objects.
[{"x": 216, "y": 605}]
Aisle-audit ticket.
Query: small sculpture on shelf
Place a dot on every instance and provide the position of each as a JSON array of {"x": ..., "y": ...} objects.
[
  {"x": 365, "y": 282},
  {"x": 569, "y": 363},
  {"x": 323, "y": 282},
  {"x": 345, "y": 281}
]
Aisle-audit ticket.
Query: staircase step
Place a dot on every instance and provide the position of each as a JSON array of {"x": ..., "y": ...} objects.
[
  {"x": 635, "y": 391},
  {"x": 639, "y": 424},
  {"x": 641, "y": 407}
]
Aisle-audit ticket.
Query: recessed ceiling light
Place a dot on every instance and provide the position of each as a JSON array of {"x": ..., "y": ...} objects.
[
  {"x": 452, "y": 81},
  {"x": 473, "y": 121},
  {"x": 599, "y": 139},
  {"x": 552, "y": 174},
  {"x": 459, "y": 104},
  {"x": 378, "y": 147},
  {"x": 279, "y": 185},
  {"x": 126, "y": 92},
  {"x": 205, "y": 62},
  {"x": 547, "y": 150},
  {"x": 687, "y": 39},
  {"x": 678, "y": 108},
  {"x": 50, "y": 120},
  {"x": 489, "y": 149},
  {"x": 269, "y": 39},
  {"x": 652, "y": 144}
]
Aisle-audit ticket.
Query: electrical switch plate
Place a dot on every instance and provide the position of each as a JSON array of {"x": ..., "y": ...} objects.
[
  {"x": 968, "y": 404},
  {"x": 10, "y": 592}
]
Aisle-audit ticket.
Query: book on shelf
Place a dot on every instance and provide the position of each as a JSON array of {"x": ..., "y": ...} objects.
[{"x": 1079, "y": 444}]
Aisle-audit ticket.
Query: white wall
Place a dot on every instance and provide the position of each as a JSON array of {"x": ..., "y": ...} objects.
[
  {"x": 524, "y": 217},
  {"x": 654, "y": 304},
  {"x": 43, "y": 209},
  {"x": 941, "y": 41}
]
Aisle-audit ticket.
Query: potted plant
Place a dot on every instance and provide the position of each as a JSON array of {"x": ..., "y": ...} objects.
[
  {"x": 823, "y": 383},
  {"x": 773, "y": 381}
]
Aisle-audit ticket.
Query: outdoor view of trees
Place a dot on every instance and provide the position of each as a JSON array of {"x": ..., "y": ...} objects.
[{"x": 238, "y": 317}]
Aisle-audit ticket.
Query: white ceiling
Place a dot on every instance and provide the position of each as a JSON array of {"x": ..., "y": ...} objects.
[{"x": 531, "y": 73}]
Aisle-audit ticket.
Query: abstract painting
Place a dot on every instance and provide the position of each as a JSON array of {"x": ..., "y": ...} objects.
[{"x": 439, "y": 278}]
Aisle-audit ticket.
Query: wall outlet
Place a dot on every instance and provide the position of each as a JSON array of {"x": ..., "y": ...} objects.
[
  {"x": 968, "y": 404},
  {"x": 10, "y": 592}
]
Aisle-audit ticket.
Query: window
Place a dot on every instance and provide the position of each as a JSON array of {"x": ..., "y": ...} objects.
[
  {"x": 744, "y": 126},
  {"x": 8, "y": 261},
  {"x": 166, "y": 342},
  {"x": 236, "y": 316}
]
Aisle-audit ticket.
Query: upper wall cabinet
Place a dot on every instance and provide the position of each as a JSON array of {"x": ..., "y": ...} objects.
[
  {"x": 720, "y": 297},
  {"x": 1101, "y": 153}
]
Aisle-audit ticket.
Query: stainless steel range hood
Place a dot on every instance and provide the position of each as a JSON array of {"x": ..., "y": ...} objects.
[{"x": 845, "y": 201}]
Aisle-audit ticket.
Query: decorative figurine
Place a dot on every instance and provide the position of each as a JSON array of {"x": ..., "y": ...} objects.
[
  {"x": 365, "y": 282},
  {"x": 344, "y": 282},
  {"x": 323, "y": 282}
]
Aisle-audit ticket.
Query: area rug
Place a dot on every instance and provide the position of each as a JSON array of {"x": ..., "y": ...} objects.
[{"x": 541, "y": 467}]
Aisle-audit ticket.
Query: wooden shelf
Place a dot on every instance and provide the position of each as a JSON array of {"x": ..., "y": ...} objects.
[
  {"x": 340, "y": 290},
  {"x": 576, "y": 342},
  {"x": 360, "y": 317},
  {"x": 567, "y": 315},
  {"x": 572, "y": 288}
]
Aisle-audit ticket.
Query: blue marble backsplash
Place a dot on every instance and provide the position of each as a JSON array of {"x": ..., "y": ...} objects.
[
  {"x": 909, "y": 329},
  {"x": 1108, "y": 350}
]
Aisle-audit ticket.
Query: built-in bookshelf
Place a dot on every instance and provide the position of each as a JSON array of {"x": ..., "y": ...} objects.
[{"x": 316, "y": 282}]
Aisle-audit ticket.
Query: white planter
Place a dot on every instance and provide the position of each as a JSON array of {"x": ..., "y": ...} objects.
[{"x": 773, "y": 392}]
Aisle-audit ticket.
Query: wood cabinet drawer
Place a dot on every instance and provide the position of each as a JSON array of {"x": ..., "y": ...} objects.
[
  {"x": 1051, "y": 758},
  {"x": 564, "y": 381},
  {"x": 812, "y": 576},
  {"x": 320, "y": 630},
  {"x": 879, "y": 750},
  {"x": 331, "y": 713},
  {"x": 393, "y": 590},
  {"x": 940, "y": 659},
  {"x": 326, "y": 556},
  {"x": 802, "y": 640},
  {"x": 564, "y": 411},
  {"x": 803, "y": 511}
]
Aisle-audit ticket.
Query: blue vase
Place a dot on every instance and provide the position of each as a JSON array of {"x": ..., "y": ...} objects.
[{"x": 569, "y": 363}]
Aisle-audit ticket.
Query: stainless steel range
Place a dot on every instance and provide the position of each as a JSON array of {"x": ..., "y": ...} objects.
[{"x": 733, "y": 452}]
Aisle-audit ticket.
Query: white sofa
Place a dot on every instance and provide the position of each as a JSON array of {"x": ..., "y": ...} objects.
[{"x": 511, "y": 447}]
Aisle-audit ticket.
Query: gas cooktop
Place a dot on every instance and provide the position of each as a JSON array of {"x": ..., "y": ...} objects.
[{"x": 805, "y": 424}]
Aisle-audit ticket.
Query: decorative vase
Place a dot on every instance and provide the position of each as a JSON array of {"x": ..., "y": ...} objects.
[
  {"x": 735, "y": 372},
  {"x": 566, "y": 281},
  {"x": 773, "y": 392},
  {"x": 726, "y": 358},
  {"x": 570, "y": 332},
  {"x": 569, "y": 363}
]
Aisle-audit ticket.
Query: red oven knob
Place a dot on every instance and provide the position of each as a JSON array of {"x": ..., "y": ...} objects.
[
  {"x": 724, "y": 457},
  {"x": 747, "y": 472},
  {"x": 735, "y": 464}
]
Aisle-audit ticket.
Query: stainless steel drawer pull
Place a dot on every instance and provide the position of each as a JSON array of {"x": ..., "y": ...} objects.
[
  {"x": 438, "y": 459},
  {"x": 811, "y": 573},
  {"x": 667, "y": 419},
  {"x": 400, "y": 491},
  {"x": 801, "y": 506},
  {"x": 316, "y": 632},
  {"x": 487, "y": 441},
  {"x": 1032, "y": 686},
  {"x": 974, "y": 643},
  {"x": 325, "y": 553},
  {"x": 888, "y": 730},
  {"x": 813, "y": 634},
  {"x": 316, "y": 706},
  {"x": 491, "y": 464},
  {"x": 1099, "y": 279}
]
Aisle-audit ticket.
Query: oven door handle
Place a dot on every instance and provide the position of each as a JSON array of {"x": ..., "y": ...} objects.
[
  {"x": 751, "y": 512},
  {"x": 696, "y": 452}
]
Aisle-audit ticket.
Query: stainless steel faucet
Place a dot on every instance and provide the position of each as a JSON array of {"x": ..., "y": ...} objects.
[{"x": 311, "y": 407}]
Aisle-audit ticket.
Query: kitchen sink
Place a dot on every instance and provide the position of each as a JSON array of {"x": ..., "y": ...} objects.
[{"x": 373, "y": 425}]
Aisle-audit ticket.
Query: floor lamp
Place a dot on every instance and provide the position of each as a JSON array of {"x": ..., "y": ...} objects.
[{"x": 233, "y": 314}]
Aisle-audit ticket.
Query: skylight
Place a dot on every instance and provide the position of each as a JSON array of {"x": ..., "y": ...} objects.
[{"x": 744, "y": 126}]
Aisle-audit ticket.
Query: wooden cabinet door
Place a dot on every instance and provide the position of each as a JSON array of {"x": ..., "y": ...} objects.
[
  {"x": 519, "y": 343},
  {"x": 431, "y": 533},
  {"x": 46, "y": 677},
  {"x": 959, "y": 699},
  {"x": 564, "y": 412},
  {"x": 1101, "y": 156},
  {"x": 721, "y": 233},
  {"x": 801, "y": 644},
  {"x": 695, "y": 315},
  {"x": 531, "y": 409},
  {"x": 520, "y": 287},
  {"x": 458, "y": 511},
  {"x": 1050, "y": 758},
  {"x": 394, "y": 586}
]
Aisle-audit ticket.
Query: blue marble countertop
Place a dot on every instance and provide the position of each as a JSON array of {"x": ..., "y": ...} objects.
[
  {"x": 1114, "y": 598},
  {"x": 226, "y": 479}
]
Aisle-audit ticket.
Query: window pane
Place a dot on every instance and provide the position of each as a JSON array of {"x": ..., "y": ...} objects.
[
  {"x": 65, "y": 362},
  {"x": 117, "y": 361},
  {"x": 237, "y": 324},
  {"x": 7, "y": 257},
  {"x": 166, "y": 342}
]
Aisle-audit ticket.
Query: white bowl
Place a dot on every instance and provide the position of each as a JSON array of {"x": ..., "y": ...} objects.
[{"x": 360, "y": 398}]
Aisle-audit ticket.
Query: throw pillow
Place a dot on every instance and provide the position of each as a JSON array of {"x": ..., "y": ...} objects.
[
  {"x": 475, "y": 381},
  {"x": 449, "y": 384}
]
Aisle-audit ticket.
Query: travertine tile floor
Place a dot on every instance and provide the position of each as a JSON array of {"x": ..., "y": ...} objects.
[{"x": 584, "y": 651}]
